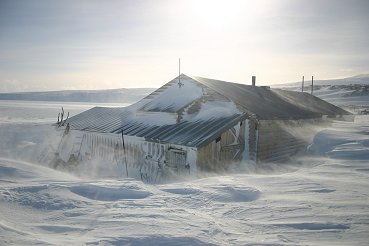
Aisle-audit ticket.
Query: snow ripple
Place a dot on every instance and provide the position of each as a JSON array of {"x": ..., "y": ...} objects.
[
  {"x": 315, "y": 226},
  {"x": 234, "y": 194},
  {"x": 154, "y": 240},
  {"x": 108, "y": 194},
  {"x": 9, "y": 173},
  {"x": 39, "y": 197},
  {"x": 218, "y": 193}
]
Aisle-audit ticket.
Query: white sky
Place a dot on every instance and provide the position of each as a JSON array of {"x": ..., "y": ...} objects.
[{"x": 52, "y": 45}]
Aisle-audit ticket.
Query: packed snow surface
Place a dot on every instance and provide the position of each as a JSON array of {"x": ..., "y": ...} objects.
[{"x": 319, "y": 199}]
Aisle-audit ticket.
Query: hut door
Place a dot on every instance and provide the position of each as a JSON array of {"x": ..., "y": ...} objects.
[
  {"x": 176, "y": 159},
  {"x": 233, "y": 149}
]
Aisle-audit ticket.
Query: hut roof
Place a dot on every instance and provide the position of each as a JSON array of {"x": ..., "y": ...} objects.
[
  {"x": 156, "y": 127},
  {"x": 267, "y": 103},
  {"x": 195, "y": 111}
]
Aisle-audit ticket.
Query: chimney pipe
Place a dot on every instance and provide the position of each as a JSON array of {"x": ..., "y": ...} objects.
[{"x": 253, "y": 80}]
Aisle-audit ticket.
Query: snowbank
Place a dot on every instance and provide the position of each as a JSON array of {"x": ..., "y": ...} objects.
[
  {"x": 318, "y": 200},
  {"x": 343, "y": 141}
]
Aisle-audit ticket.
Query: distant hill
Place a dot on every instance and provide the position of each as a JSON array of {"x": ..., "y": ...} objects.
[
  {"x": 103, "y": 96},
  {"x": 358, "y": 79}
]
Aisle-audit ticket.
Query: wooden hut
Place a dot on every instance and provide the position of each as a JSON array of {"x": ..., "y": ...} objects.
[{"x": 196, "y": 124}]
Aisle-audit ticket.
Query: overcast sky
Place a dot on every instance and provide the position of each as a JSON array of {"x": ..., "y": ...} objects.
[{"x": 52, "y": 45}]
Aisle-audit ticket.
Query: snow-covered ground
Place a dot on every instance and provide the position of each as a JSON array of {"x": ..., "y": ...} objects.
[
  {"x": 318, "y": 199},
  {"x": 342, "y": 96}
]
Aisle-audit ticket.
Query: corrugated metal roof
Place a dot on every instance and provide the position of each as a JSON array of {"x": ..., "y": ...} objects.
[
  {"x": 116, "y": 120},
  {"x": 268, "y": 103},
  {"x": 310, "y": 102}
]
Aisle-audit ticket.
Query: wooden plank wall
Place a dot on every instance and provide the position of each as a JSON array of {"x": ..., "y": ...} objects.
[
  {"x": 279, "y": 140},
  {"x": 222, "y": 154},
  {"x": 252, "y": 140}
]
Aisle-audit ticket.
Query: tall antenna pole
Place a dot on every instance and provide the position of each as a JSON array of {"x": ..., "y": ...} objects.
[
  {"x": 302, "y": 87},
  {"x": 179, "y": 73},
  {"x": 312, "y": 84}
]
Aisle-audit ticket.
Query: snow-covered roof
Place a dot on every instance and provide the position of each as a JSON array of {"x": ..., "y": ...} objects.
[
  {"x": 174, "y": 95},
  {"x": 155, "y": 127},
  {"x": 195, "y": 111}
]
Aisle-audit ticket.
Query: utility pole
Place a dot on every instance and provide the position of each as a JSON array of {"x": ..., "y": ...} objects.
[
  {"x": 302, "y": 86},
  {"x": 312, "y": 84}
]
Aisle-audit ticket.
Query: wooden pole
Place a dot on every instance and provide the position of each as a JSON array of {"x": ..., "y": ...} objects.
[
  {"x": 312, "y": 84},
  {"x": 302, "y": 86}
]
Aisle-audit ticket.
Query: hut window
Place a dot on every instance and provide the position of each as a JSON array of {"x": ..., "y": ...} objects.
[
  {"x": 218, "y": 139},
  {"x": 241, "y": 123}
]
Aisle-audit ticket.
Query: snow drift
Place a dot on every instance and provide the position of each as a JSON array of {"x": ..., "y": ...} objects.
[{"x": 319, "y": 199}]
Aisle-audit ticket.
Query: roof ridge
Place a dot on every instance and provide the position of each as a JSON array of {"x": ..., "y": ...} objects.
[{"x": 199, "y": 78}]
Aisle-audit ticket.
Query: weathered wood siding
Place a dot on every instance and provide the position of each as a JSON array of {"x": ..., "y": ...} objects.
[
  {"x": 252, "y": 140},
  {"x": 278, "y": 140},
  {"x": 231, "y": 147}
]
